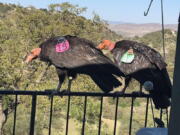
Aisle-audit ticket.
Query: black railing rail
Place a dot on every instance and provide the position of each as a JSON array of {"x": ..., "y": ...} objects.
[{"x": 51, "y": 94}]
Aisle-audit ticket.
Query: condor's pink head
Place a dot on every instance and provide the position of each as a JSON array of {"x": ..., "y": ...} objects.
[
  {"x": 106, "y": 44},
  {"x": 33, "y": 55}
]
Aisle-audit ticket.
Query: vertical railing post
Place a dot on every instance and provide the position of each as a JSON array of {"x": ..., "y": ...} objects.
[
  {"x": 84, "y": 116},
  {"x": 100, "y": 116},
  {"x": 152, "y": 112},
  {"x": 115, "y": 119},
  {"x": 161, "y": 114},
  {"x": 146, "y": 115},
  {"x": 67, "y": 118},
  {"x": 15, "y": 108},
  {"x": 50, "y": 119},
  {"x": 167, "y": 117},
  {"x": 33, "y": 114},
  {"x": 131, "y": 116}
]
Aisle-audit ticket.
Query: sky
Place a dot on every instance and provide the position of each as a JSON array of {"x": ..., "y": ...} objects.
[{"x": 130, "y": 11}]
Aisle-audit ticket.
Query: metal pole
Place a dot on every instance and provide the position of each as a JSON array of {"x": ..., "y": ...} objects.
[
  {"x": 131, "y": 116},
  {"x": 33, "y": 114},
  {"x": 50, "y": 117},
  {"x": 146, "y": 115},
  {"x": 100, "y": 116},
  {"x": 175, "y": 108},
  {"x": 67, "y": 118},
  {"x": 163, "y": 37},
  {"x": 84, "y": 116},
  {"x": 152, "y": 111},
  {"x": 116, "y": 112},
  {"x": 15, "y": 110}
]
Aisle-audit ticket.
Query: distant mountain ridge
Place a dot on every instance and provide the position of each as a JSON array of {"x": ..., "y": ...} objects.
[{"x": 132, "y": 29}]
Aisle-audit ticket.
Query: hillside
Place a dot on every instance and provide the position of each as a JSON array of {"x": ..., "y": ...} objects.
[{"x": 131, "y": 30}]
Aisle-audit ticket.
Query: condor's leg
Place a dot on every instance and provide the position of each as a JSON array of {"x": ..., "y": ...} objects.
[
  {"x": 127, "y": 80},
  {"x": 61, "y": 75}
]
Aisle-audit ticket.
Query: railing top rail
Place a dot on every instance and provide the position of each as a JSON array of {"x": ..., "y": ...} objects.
[{"x": 54, "y": 93}]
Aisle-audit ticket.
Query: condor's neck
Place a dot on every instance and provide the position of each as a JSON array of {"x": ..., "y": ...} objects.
[{"x": 111, "y": 47}]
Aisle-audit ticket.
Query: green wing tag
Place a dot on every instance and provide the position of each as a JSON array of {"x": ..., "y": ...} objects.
[{"x": 127, "y": 57}]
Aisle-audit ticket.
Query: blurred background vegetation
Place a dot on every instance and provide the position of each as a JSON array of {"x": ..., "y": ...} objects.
[{"x": 22, "y": 29}]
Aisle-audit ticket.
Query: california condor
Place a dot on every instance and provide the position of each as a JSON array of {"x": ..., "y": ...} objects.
[
  {"x": 144, "y": 64},
  {"x": 72, "y": 55}
]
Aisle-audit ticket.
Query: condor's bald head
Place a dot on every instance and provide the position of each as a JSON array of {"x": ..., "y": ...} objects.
[{"x": 33, "y": 55}]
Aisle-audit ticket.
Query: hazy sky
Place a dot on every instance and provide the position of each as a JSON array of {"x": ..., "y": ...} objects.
[{"x": 117, "y": 10}]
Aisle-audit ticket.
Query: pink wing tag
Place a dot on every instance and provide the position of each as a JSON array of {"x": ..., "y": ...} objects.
[{"x": 62, "y": 47}]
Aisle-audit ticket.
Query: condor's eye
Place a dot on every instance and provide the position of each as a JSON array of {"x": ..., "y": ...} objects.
[{"x": 31, "y": 53}]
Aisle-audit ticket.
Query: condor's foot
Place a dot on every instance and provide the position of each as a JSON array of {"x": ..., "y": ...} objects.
[
  {"x": 65, "y": 91},
  {"x": 119, "y": 93},
  {"x": 52, "y": 92},
  {"x": 159, "y": 122}
]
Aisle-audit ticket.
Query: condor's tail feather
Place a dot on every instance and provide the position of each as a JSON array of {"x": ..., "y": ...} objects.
[
  {"x": 107, "y": 82},
  {"x": 161, "y": 101},
  {"x": 162, "y": 89}
]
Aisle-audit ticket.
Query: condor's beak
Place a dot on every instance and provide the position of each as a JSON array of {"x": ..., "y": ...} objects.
[
  {"x": 32, "y": 55},
  {"x": 101, "y": 46},
  {"x": 106, "y": 44}
]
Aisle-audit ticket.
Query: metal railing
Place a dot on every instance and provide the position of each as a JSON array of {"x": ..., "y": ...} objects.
[{"x": 36, "y": 94}]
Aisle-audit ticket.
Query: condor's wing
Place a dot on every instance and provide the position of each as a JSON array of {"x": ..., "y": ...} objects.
[{"x": 145, "y": 57}]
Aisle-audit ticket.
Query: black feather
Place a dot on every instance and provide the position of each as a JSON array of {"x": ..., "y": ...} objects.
[{"x": 105, "y": 81}]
